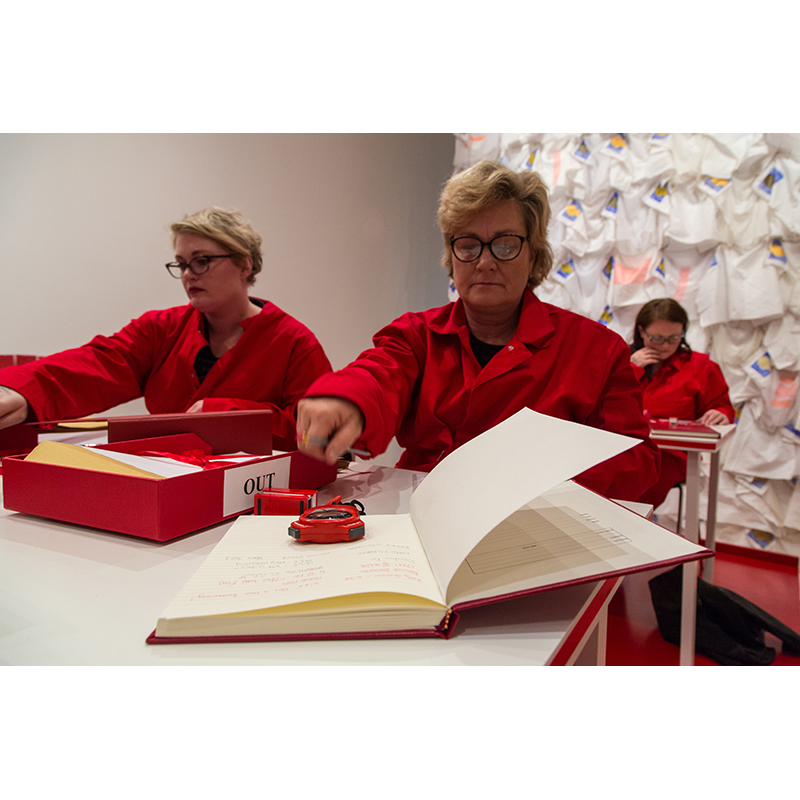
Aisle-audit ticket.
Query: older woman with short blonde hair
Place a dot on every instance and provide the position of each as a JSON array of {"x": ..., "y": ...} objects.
[{"x": 436, "y": 379}]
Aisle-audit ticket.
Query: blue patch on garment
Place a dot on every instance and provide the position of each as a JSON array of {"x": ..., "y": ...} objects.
[
  {"x": 761, "y": 538},
  {"x": 716, "y": 184},
  {"x": 582, "y": 150},
  {"x": 772, "y": 177},
  {"x": 762, "y": 365},
  {"x": 573, "y": 210},
  {"x": 566, "y": 270},
  {"x": 776, "y": 251},
  {"x": 660, "y": 192},
  {"x": 618, "y": 143}
]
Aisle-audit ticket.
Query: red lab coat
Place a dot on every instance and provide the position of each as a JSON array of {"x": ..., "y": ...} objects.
[
  {"x": 685, "y": 386},
  {"x": 271, "y": 366},
  {"x": 422, "y": 383}
]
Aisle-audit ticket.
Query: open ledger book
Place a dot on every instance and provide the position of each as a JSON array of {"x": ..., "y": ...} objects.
[{"x": 497, "y": 518}]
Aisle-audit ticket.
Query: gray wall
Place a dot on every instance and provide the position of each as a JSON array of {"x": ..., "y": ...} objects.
[{"x": 348, "y": 222}]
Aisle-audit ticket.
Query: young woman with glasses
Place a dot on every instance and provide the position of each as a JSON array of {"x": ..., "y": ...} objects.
[
  {"x": 675, "y": 381},
  {"x": 436, "y": 379},
  {"x": 225, "y": 350}
]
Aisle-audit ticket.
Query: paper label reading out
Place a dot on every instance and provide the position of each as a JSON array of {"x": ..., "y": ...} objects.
[{"x": 243, "y": 483}]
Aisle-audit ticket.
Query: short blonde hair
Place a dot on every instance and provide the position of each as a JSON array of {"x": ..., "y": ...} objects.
[
  {"x": 226, "y": 227},
  {"x": 468, "y": 193}
]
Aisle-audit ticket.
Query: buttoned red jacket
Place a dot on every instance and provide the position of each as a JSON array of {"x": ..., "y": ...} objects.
[
  {"x": 271, "y": 366},
  {"x": 422, "y": 383},
  {"x": 685, "y": 386}
]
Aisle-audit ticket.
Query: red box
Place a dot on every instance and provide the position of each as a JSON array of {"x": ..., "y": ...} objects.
[
  {"x": 153, "y": 508},
  {"x": 284, "y": 501},
  {"x": 18, "y": 439},
  {"x": 225, "y": 431}
]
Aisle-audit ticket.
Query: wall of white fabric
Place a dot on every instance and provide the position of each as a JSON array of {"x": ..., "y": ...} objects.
[{"x": 712, "y": 220}]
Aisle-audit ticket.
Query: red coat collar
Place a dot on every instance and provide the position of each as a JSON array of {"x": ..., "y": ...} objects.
[{"x": 534, "y": 328}]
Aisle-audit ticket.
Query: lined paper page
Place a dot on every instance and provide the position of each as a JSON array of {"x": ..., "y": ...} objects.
[{"x": 258, "y": 565}]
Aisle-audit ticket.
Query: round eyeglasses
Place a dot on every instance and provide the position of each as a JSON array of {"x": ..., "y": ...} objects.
[
  {"x": 504, "y": 248},
  {"x": 662, "y": 339},
  {"x": 197, "y": 266}
]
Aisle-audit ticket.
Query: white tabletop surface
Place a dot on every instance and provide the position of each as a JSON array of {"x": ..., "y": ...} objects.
[{"x": 71, "y": 595}]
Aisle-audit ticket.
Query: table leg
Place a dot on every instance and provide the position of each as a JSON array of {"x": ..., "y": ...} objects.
[
  {"x": 711, "y": 516},
  {"x": 688, "y": 613},
  {"x": 690, "y": 570}
]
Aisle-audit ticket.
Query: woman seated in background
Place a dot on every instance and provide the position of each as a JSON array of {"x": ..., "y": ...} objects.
[
  {"x": 438, "y": 378},
  {"x": 675, "y": 382},
  {"x": 223, "y": 351}
]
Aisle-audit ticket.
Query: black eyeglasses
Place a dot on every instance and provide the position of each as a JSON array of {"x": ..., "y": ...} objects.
[
  {"x": 197, "y": 266},
  {"x": 504, "y": 248}
]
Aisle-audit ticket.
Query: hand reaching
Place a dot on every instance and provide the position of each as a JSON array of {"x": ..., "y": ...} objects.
[{"x": 331, "y": 419}]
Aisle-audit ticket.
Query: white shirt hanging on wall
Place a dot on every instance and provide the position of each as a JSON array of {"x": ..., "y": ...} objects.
[
  {"x": 757, "y": 452},
  {"x": 740, "y": 285},
  {"x": 683, "y": 272},
  {"x": 729, "y": 153},
  {"x": 635, "y": 279},
  {"x": 692, "y": 219},
  {"x": 743, "y": 219},
  {"x": 779, "y": 185}
]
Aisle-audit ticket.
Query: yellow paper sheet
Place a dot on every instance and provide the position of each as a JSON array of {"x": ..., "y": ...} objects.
[{"x": 72, "y": 455}]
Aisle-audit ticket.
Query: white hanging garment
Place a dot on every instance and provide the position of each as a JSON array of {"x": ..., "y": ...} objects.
[
  {"x": 779, "y": 185},
  {"x": 792, "y": 517},
  {"x": 687, "y": 155},
  {"x": 692, "y": 219},
  {"x": 635, "y": 279},
  {"x": 782, "y": 340},
  {"x": 474, "y": 147},
  {"x": 683, "y": 271},
  {"x": 756, "y": 452},
  {"x": 740, "y": 285},
  {"x": 640, "y": 227},
  {"x": 743, "y": 215},
  {"x": 727, "y": 154}
]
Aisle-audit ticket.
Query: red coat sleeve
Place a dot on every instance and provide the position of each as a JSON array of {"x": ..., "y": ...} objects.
[
  {"x": 380, "y": 382},
  {"x": 107, "y": 371},
  {"x": 716, "y": 395},
  {"x": 619, "y": 409}
]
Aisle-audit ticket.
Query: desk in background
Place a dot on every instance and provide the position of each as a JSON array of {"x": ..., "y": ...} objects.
[{"x": 693, "y": 450}]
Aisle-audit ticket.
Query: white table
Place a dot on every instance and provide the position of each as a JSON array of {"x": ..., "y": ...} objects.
[{"x": 75, "y": 595}]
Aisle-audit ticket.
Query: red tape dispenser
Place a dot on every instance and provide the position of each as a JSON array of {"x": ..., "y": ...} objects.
[{"x": 333, "y": 522}]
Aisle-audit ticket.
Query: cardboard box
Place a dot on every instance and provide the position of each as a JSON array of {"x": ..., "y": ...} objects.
[{"x": 153, "y": 508}]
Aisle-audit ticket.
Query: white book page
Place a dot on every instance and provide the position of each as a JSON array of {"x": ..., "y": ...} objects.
[
  {"x": 485, "y": 480},
  {"x": 257, "y": 565},
  {"x": 568, "y": 533}
]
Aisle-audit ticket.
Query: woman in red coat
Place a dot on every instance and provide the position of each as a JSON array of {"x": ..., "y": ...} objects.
[
  {"x": 436, "y": 379},
  {"x": 676, "y": 382},
  {"x": 225, "y": 350}
]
